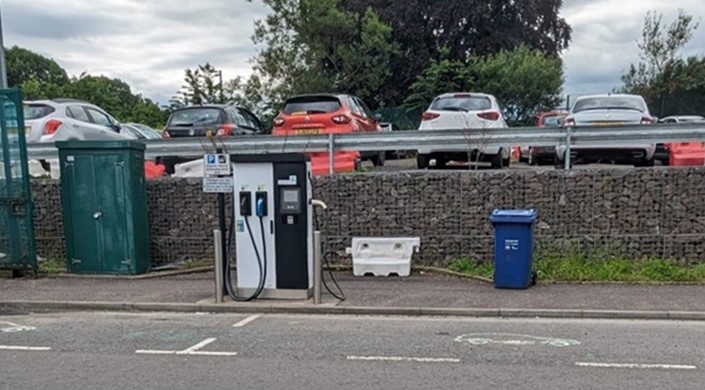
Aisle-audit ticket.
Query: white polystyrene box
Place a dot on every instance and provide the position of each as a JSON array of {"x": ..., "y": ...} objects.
[
  {"x": 189, "y": 169},
  {"x": 382, "y": 256}
]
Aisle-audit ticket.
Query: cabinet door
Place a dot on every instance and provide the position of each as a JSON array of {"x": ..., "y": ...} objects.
[
  {"x": 82, "y": 241},
  {"x": 114, "y": 230}
]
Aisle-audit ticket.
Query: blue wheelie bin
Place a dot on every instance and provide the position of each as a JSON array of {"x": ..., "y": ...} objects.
[{"x": 513, "y": 247}]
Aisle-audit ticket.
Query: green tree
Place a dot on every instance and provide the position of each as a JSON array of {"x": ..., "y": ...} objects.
[
  {"x": 524, "y": 81},
  {"x": 25, "y": 66},
  {"x": 466, "y": 28},
  {"x": 316, "y": 46},
  {"x": 116, "y": 97},
  {"x": 656, "y": 75},
  {"x": 202, "y": 85},
  {"x": 442, "y": 76}
]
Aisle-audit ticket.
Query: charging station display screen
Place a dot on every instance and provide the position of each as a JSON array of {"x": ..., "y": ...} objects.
[
  {"x": 290, "y": 200},
  {"x": 290, "y": 196}
]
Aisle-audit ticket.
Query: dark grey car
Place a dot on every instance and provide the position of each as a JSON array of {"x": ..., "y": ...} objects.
[{"x": 221, "y": 120}]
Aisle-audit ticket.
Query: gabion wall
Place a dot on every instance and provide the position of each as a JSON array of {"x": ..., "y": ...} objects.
[{"x": 631, "y": 212}]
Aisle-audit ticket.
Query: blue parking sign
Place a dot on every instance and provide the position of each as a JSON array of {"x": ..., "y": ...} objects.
[{"x": 211, "y": 159}]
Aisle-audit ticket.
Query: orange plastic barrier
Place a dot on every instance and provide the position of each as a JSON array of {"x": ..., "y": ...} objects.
[
  {"x": 686, "y": 154},
  {"x": 153, "y": 170},
  {"x": 516, "y": 153},
  {"x": 342, "y": 162}
]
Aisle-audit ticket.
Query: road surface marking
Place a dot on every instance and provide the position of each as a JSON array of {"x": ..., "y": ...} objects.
[
  {"x": 638, "y": 366},
  {"x": 23, "y": 348},
  {"x": 514, "y": 340},
  {"x": 193, "y": 350},
  {"x": 247, "y": 320},
  {"x": 404, "y": 359},
  {"x": 155, "y": 352},
  {"x": 196, "y": 347},
  {"x": 213, "y": 353},
  {"x": 10, "y": 327}
]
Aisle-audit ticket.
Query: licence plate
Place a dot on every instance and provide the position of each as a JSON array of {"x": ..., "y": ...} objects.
[
  {"x": 27, "y": 130},
  {"x": 308, "y": 131}
]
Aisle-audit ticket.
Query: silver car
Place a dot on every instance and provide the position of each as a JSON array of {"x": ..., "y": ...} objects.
[
  {"x": 68, "y": 119},
  {"x": 609, "y": 110}
]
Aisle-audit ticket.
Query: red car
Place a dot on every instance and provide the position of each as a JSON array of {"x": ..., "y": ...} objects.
[
  {"x": 325, "y": 114},
  {"x": 543, "y": 154}
]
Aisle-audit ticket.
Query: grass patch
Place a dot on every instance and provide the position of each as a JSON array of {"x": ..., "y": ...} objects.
[
  {"x": 579, "y": 267},
  {"x": 471, "y": 267},
  {"x": 51, "y": 267}
]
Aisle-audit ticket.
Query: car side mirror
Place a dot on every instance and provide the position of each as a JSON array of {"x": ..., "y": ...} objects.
[{"x": 116, "y": 127}]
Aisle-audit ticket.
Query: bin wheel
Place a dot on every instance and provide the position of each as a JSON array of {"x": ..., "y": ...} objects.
[{"x": 534, "y": 278}]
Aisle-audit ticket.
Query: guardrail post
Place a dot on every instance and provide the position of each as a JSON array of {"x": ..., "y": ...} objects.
[
  {"x": 331, "y": 154},
  {"x": 566, "y": 158}
]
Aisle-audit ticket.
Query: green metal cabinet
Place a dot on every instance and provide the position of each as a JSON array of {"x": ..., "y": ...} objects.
[{"x": 104, "y": 206}]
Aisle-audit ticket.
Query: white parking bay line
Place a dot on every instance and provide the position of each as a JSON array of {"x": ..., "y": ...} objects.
[
  {"x": 638, "y": 366},
  {"x": 193, "y": 350},
  {"x": 155, "y": 352},
  {"x": 247, "y": 320},
  {"x": 196, "y": 347},
  {"x": 404, "y": 359},
  {"x": 23, "y": 348}
]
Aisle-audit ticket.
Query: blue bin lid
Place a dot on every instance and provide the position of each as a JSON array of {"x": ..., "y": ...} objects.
[{"x": 513, "y": 216}]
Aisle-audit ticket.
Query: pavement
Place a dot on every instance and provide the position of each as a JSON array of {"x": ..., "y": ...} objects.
[{"x": 419, "y": 294}]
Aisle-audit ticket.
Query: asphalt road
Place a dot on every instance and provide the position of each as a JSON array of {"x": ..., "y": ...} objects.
[{"x": 217, "y": 351}]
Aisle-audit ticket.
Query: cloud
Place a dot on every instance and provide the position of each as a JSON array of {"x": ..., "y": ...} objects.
[
  {"x": 605, "y": 36},
  {"x": 147, "y": 43}
]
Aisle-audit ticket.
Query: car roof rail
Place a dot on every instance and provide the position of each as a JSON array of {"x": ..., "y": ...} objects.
[{"x": 68, "y": 100}]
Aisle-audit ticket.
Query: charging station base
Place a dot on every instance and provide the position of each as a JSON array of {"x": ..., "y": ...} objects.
[{"x": 274, "y": 293}]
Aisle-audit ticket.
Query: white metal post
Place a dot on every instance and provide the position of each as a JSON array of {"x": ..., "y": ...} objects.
[
  {"x": 217, "y": 242},
  {"x": 317, "y": 267},
  {"x": 331, "y": 155}
]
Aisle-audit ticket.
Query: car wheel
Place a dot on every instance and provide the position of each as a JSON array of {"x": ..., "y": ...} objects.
[
  {"x": 45, "y": 165},
  {"x": 358, "y": 165},
  {"x": 422, "y": 161},
  {"x": 531, "y": 160},
  {"x": 558, "y": 163},
  {"x": 169, "y": 167},
  {"x": 378, "y": 160},
  {"x": 644, "y": 163},
  {"x": 498, "y": 160}
]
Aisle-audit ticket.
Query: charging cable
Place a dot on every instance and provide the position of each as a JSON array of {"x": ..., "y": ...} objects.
[
  {"x": 232, "y": 292},
  {"x": 341, "y": 294}
]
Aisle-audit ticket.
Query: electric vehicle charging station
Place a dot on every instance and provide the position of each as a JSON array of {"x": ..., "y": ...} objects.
[{"x": 273, "y": 227}]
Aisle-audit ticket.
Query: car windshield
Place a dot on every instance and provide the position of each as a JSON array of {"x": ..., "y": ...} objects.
[
  {"x": 461, "y": 103},
  {"x": 146, "y": 132},
  {"x": 609, "y": 103},
  {"x": 311, "y": 105},
  {"x": 36, "y": 111},
  {"x": 195, "y": 116},
  {"x": 553, "y": 120}
]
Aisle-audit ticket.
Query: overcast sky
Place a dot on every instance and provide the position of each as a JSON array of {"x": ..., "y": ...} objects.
[{"x": 149, "y": 43}]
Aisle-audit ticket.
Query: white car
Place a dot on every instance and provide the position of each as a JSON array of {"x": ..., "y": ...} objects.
[
  {"x": 609, "y": 110},
  {"x": 683, "y": 119},
  {"x": 68, "y": 119},
  {"x": 464, "y": 111}
]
